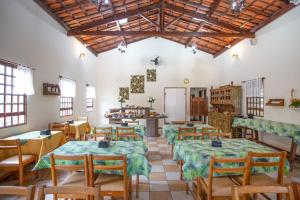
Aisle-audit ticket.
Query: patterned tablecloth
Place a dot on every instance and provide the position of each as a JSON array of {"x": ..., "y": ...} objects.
[
  {"x": 196, "y": 155},
  {"x": 170, "y": 131},
  {"x": 137, "y": 162},
  {"x": 268, "y": 126},
  {"x": 35, "y": 144},
  {"x": 79, "y": 128},
  {"x": 139, "y": 129}
]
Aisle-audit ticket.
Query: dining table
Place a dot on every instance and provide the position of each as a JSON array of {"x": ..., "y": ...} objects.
[
  {"x": 33, "y": 143},
  {"x": 170, "y": 131},
  {"x": 196, "y": 155},
  {"x": 139, "y": 129},
  {"x": 79, "y": 128}
]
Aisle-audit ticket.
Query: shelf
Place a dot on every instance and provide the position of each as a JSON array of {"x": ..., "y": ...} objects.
[{"x": 275, "y": 102}]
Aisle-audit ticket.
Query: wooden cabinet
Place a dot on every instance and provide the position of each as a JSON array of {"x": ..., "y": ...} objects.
[
  {"x": 199, "y": 106},
  {"x": 221, "y": 120}
]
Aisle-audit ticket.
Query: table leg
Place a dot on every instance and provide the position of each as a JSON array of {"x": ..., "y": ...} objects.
[{"x": 137, "y": 185}]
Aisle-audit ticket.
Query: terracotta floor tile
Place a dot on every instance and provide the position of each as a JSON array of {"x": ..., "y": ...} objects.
[
  {"x": 155, "y": 162},
  {"x": 177, "y": 185},
  {"x": 160, "y": 196},
  {"x": 159, "y": 186},
  {"x": 171, "y": 168},
  {"x": 143, "y": 186},
  {"x": 154, "y": 157},
  {"x": 158, "y": 176}
]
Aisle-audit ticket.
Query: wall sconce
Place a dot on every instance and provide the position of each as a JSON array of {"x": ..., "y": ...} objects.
[
  {"x": 82, "y": 55},
  {"x": 235, "y": 56}
]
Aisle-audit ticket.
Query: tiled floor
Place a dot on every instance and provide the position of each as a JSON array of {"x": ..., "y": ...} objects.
[{"x": 164, "y": 182}]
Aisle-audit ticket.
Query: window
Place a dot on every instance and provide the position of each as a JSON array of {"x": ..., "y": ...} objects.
[
  {"x": 66, "y": 106},
  {"x": 90, "y": 96},
  {"x": 13, "y": 106},
  {"x": 255, "y": 97},
  {"x": 89, "y": 104},
  {"x": 68, "y": 92}
]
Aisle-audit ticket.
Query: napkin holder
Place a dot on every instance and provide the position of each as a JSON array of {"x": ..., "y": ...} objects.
[
  {"x": 124, "y": 124},
  {"x": 216, "y": 143},
  {"x": 70, "y": 121},
  {"x": 103, "y": 143},
  {"x": 190, "y": 124},
  {"x": 45, "y": 132}
]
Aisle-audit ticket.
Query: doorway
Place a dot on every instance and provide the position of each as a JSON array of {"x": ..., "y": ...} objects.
[{"x": 175, "y": 104}]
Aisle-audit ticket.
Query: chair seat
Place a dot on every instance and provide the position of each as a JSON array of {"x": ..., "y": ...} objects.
[
  {"x": 221, "y": 186},
  {"x": 261, "y": 179},
  {"x": 110, "y": 182},
  {"x": 74, "y": 179},
  {"x": 13, "y": 161}
]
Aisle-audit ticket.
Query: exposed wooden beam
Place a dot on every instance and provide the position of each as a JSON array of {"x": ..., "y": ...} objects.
[
  {"x": 174, "y": 20},
  {"x": 203, "y": 17},
  {"x": 115, "y": 18},
  {"x": 58, "y": 20},
  {"x": 198, "y": 5},
  {"x": 198, "y": 30},
  {"x": 161, "y": 15},
  {"x": 272, "y": 18},
  {"x": 149, "y": 20},
  {"x": 164, "y": 33},
  {"x": 214, "y": 7}
]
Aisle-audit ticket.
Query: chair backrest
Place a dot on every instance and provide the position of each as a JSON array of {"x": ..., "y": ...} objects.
[
  {"x": 56, "y": 126},
  {"x": 126, "y": 132},
  {"x": 86, "y": 119},
  {"x": 12, "y": 144},
  {"x": 121, "y": 165},
  {"x": 102, "y": 131},
  {"x": 260, "y": 162},
  {"x": 219, "y": 134},
  {"x": 27, "y": 192},
  {"x": 296, "y": 189},
  {"x": 206, "y": 131},
  {"x": 238, "y": 191},
  {"x": 70, "y": 192},
  {"x": 187, "y": 132},
  {"x": 70, "y": 166},
  {"x": 241, "y": 166}
]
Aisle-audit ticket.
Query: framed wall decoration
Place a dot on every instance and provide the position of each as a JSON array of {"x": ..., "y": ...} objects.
[
  {"x": 151, "y": 75},
  {"x": 124, "y": 92},
  {"x": 137, "y": 83}
]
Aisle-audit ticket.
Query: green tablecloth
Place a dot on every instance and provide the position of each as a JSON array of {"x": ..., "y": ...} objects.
[
  {"x": 137, "y": 162},
  {"x": 139, "y": 129},
  {"x": 268, "y": 126},
  {"x": 170, "y": 131},
  {"x": 196, "y": 155}
]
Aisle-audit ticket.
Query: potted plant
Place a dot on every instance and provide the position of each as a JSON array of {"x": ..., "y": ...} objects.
[
  {"x": 151, "y": 101},
  {"x": 121, "y": 100}
]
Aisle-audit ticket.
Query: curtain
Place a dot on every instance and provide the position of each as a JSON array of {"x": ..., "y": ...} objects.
[
  {"x": 90, "y": 92},
  {"x": 24, "y": 81},
  {"x": 67, "y": 87},
  {"x": 254, "y": 87}
]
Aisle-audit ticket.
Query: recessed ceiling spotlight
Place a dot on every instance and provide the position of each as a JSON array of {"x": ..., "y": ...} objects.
[{"x": 123, "y": 21}]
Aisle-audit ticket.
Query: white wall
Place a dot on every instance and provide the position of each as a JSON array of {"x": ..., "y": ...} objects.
[
  {"x": 275, "y": 57},
  {"x": 28, "y": 35},
  {"x": 114, "y": 70}
]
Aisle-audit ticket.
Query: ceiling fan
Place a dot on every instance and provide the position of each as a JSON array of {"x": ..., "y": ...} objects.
[{"x": 156, "y": 61}]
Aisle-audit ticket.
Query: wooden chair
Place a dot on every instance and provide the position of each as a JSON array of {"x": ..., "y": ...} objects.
[
  {"x": 220, "y": 186},
  {"x": 126, "y": 132},
  {"x": 187, "y": 132},
  {"x": 63, "y": 127},
  {"x": 207, "y": 131},
  {"x": 70, "y": 192},
  {"x": 79, "y": 173},
  {"x": 110, "y": 184},
  {"x": 88, "y": 128},
  {"x": 254, "y": 190},
  {"x": 220, "y": 135},
  {"x": 105, "y": 132},
  {"x": 17, "y": 162},
  {"x": 263, "y": 179},
  {"x": 17, "y": 191},
  {"x": 296, "y": 189}
]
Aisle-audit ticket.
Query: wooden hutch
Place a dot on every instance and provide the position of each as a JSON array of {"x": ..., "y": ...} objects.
[{"x": 226, "y": 103}]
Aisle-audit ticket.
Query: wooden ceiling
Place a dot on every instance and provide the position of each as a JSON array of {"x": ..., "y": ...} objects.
[{"x": 209, "y": 24}]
